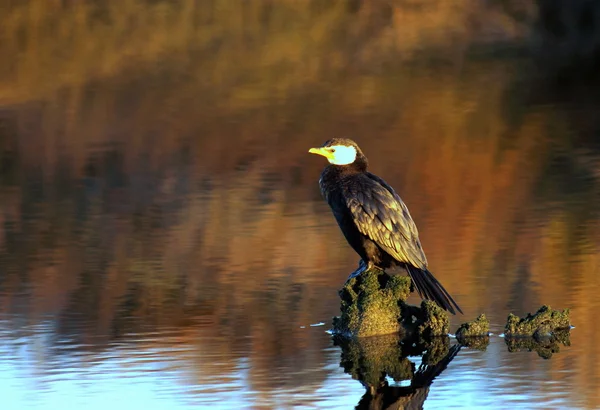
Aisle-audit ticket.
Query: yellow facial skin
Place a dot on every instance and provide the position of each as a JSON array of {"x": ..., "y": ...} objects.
[
  {"x": 336, "y": 154},
  {"x": 325, "y": 152}
]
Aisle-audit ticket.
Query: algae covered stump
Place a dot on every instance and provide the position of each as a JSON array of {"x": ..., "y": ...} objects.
[{"x": 374, "y": 303}]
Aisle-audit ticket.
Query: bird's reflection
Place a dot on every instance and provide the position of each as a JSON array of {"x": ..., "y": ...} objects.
[{"x": 375, "y": 360}]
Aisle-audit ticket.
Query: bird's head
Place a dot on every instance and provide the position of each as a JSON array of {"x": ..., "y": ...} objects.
[{"x": 340, "y": 151}]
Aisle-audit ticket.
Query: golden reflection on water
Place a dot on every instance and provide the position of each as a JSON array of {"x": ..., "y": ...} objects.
[{"x": 160, "y": 183}]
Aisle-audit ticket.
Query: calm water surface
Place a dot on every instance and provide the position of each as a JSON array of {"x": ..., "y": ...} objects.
[{"x": 163, "y": 243}]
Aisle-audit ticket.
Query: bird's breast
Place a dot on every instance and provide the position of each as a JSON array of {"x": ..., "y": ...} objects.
[{"x": 330, "y": 187}]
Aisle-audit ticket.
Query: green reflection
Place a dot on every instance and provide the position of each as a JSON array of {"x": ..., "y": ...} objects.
[{"x": 372, "y": 360}]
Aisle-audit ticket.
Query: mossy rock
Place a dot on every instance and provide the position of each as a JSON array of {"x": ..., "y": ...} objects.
[
  {"x": 373, "y": 303},
  {"x": 541, "y": 324},
  {"x": 474, "y": 334},
  {"x": 433, "y": 320},
  {"x": 370, "y": 304}
]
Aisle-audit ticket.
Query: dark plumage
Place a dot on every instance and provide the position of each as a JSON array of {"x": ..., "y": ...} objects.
[{"x": 374, "y": 220}]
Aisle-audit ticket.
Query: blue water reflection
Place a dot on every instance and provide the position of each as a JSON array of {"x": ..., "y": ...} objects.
[{"x": 159, "y": 370}]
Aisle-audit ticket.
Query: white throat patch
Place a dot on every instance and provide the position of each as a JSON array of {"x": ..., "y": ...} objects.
[{"x": 342, "y": 155}]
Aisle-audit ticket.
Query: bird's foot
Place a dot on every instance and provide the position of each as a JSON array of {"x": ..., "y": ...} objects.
[{"x": 363, "y": 267}]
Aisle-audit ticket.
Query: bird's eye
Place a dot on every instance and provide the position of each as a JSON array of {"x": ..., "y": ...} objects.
[{"x": 332, "y": 150}]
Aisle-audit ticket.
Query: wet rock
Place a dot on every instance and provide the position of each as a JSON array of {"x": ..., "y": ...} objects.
[
  {"x": 370, "y": 304},
  {"x": 433, "y": 320},
  {"x": 373, "y": 303},
  {"x": 541, "y": 324},
  {"x": 478, "y": 327},
  {"x": 474, "y": 334}
]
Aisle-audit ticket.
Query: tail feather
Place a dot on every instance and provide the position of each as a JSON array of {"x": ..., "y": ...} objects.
[{"x": 430, "y": 288}]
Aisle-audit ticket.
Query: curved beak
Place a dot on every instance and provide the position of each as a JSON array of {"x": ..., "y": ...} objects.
[{"x": 321, "y": 151}]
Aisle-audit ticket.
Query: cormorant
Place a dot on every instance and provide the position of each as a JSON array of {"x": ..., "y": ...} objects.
[{"x": 374, "y": 220}]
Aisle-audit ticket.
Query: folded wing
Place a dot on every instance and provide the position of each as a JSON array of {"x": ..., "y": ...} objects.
[{"x": 380, "y": 214}]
